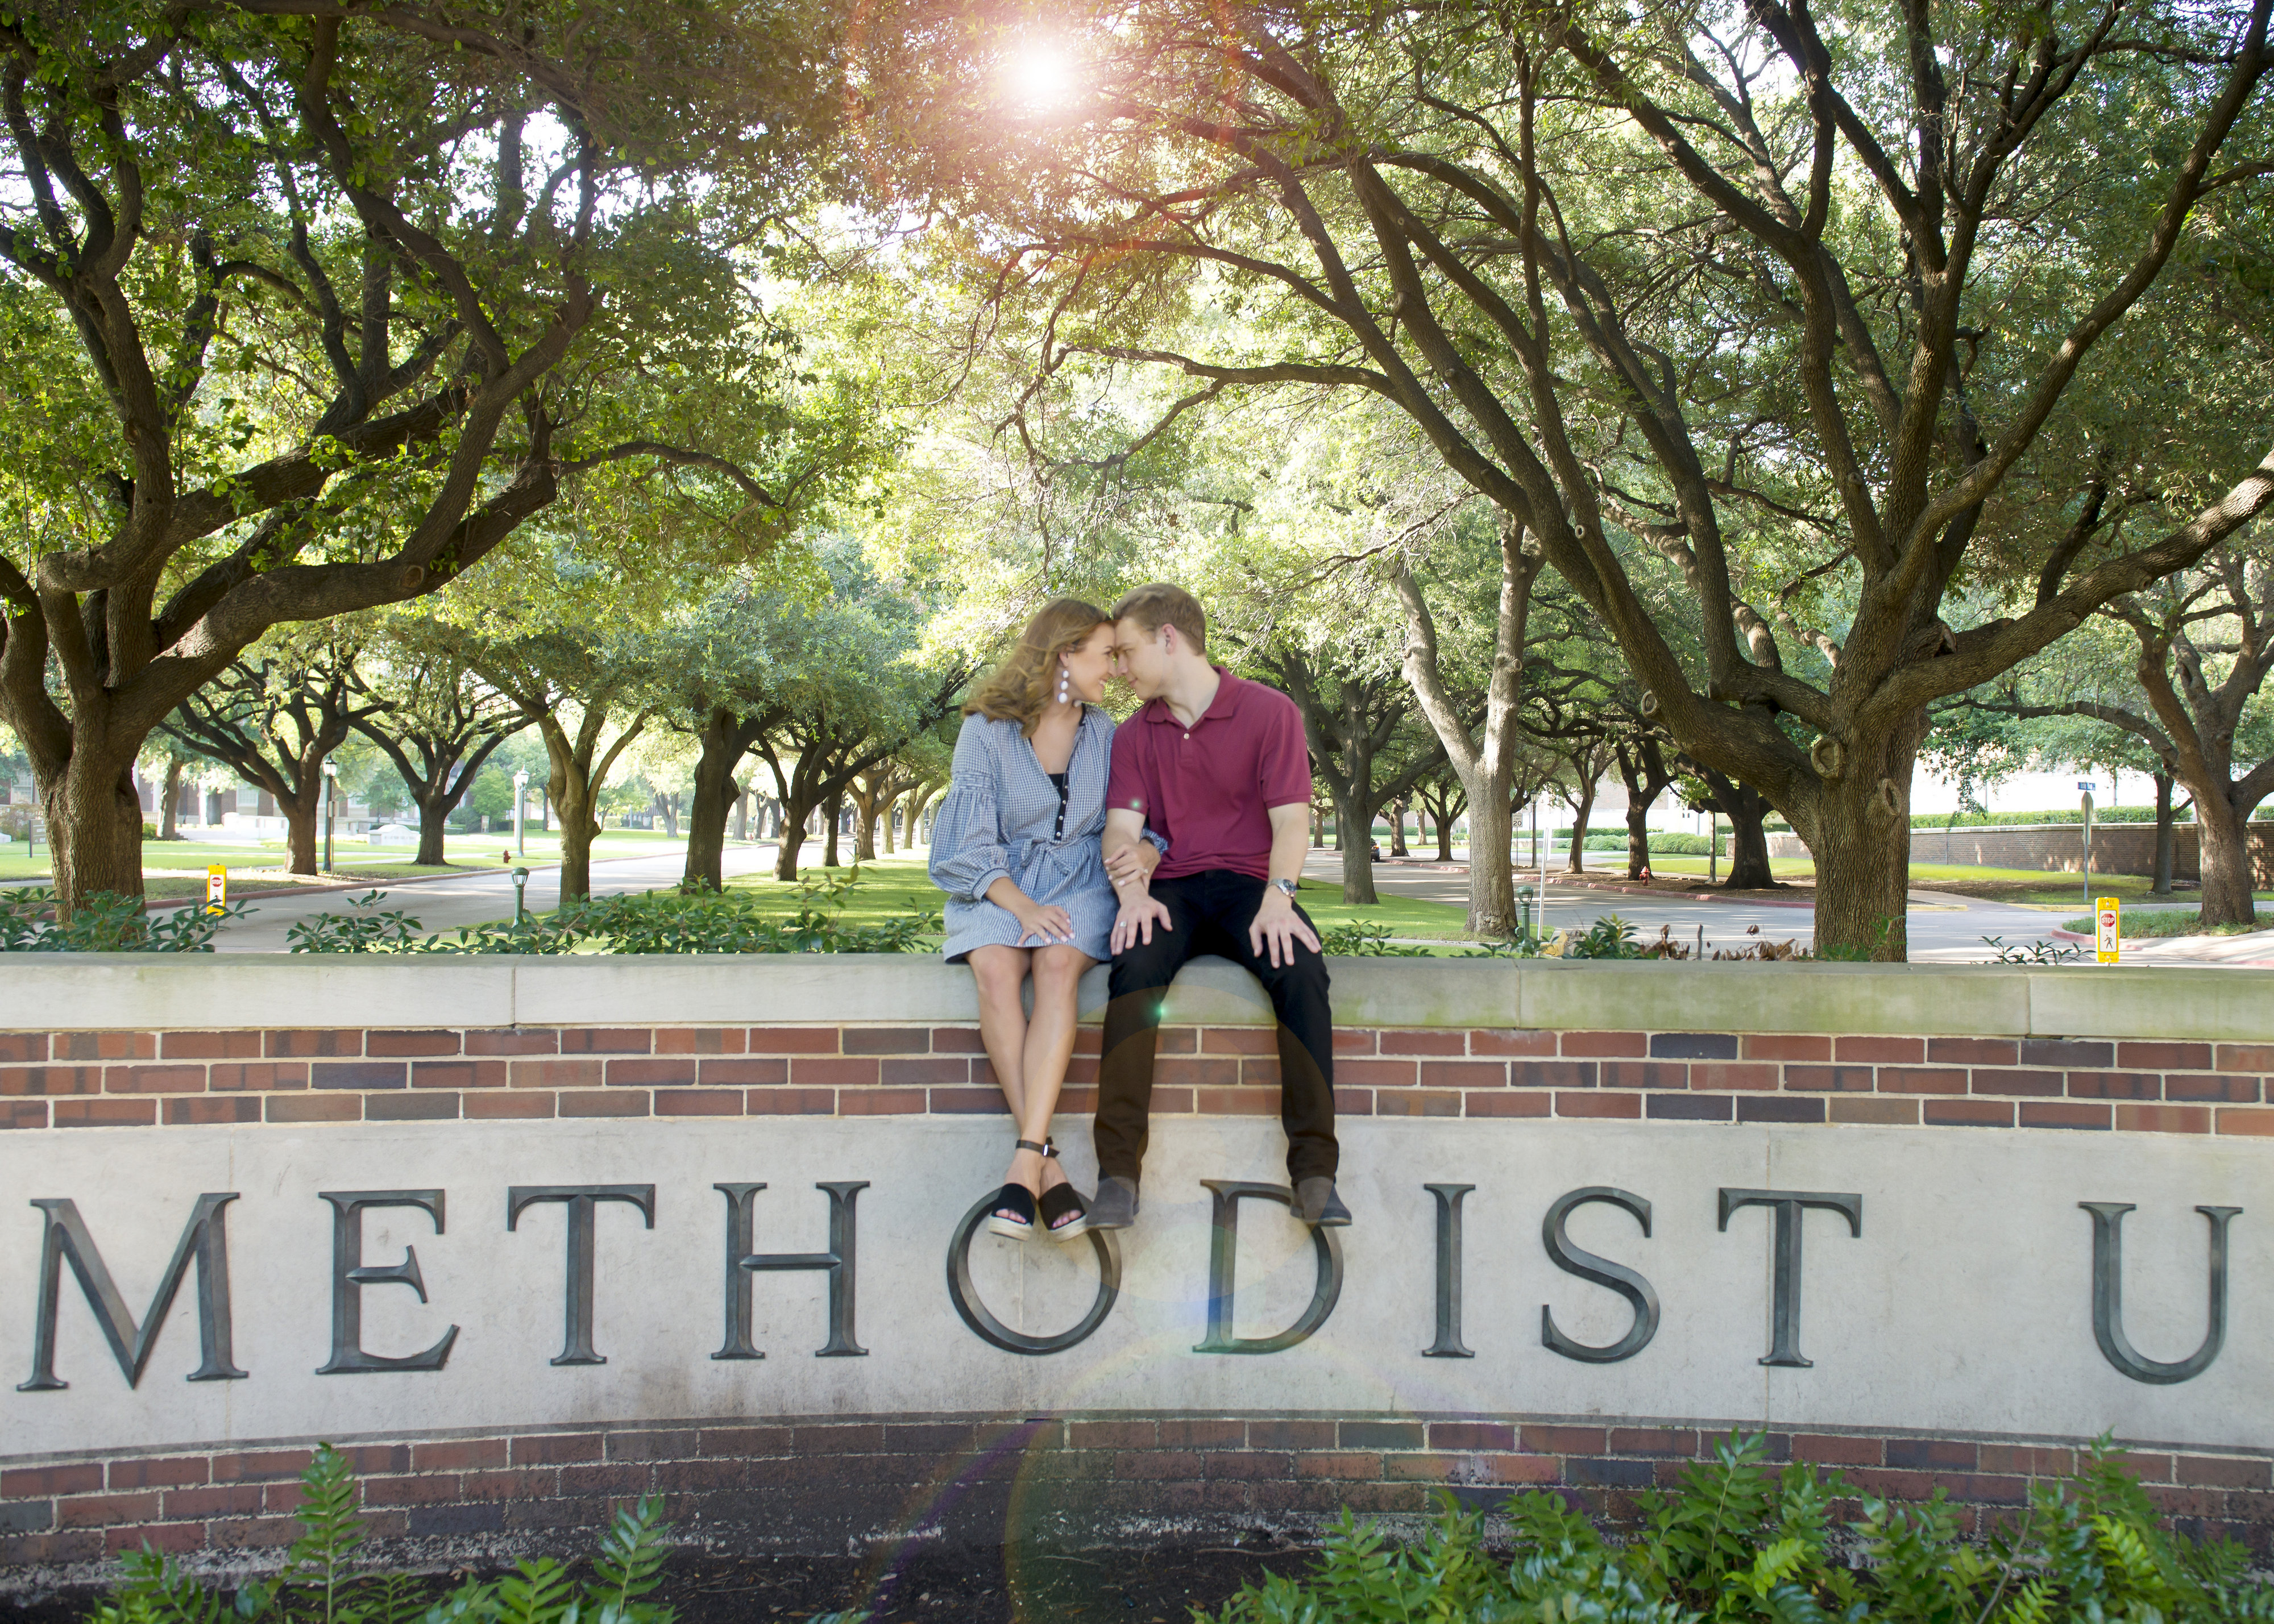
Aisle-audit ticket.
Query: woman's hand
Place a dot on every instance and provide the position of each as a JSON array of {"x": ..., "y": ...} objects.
[
  {"x": 1051, "y": 924},
  {"x": 1134, "y": 864}
]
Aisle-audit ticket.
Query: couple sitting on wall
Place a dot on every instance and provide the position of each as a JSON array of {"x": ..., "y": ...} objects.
[{"x": 1062, "y": 842}]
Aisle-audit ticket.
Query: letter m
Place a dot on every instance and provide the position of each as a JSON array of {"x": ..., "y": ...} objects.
[{"x": 67, "y": 1241}]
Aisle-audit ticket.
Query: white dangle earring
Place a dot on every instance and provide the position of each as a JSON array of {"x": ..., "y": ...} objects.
[{"x": 1065, "y": 682}]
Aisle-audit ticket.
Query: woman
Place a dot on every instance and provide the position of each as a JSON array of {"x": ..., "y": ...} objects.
[{"x": 1015, "y": 847}]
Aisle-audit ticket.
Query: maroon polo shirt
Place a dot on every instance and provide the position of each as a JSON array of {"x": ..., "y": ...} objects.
[{"x": 1209, "y": 789}]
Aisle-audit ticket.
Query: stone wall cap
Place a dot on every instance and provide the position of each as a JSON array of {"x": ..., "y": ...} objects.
[{"x": 136, "y": 991}]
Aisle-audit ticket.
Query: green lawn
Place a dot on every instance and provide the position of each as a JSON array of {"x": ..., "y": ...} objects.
[
  {"x": 2169, "y": 923},
  {"x": 2033, "y": 887},
  {"x": 897, "y": 885},
  {"x": 355, "y": 858}
]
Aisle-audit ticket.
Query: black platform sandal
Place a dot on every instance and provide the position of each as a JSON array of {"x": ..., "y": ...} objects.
[
  {"x": 1065, "y": 1214},
  {"x": 1020, "y": 1200}
]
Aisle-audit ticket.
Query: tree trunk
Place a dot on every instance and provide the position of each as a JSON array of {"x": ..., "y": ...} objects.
[
  {"x": 1492, "y": 864},
  {"x": 1396, "y": 829},
  {"x": 866, "y": 810},
  {"x": 912, "y": 817},
  {"x": 94, "y": 828},
  {"x": 1358, "y": 856},
  {"x": 1444, "y": 837},
  {"x": 795, "y": 815},
  {"x": 435, "y": 807},
  {"x": 715, "y": 791},
  {"x": 169, "y": 813},
  {"x": 578, "y": 829},
  {"x": 1318, "y": 828},
  {"x": 1860, "y": 833},
  {"x": 1575, "y": 861},
  {"x": 2163, "y": 882},
  {"x": 1745, "y": 808},
  {"x": 1638, "y": 837},
  {"x": 836, "y": 820},
  {"x": 304, "y": 813},
  {"x": 2223, "y": 847}
]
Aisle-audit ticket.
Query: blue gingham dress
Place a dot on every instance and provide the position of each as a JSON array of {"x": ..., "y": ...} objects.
[{"x": 999, "y": 818}]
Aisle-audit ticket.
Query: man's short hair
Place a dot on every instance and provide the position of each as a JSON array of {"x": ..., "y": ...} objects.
[{"x": 1159, "y": 604}]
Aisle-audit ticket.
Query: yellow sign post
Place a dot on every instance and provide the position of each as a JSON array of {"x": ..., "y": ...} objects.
[
  {"x": 216, "y": 888},
  {"x": 2108, "y": 932}
]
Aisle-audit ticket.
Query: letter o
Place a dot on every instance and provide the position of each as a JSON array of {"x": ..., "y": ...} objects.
[{"x": 988, "y": 1328}]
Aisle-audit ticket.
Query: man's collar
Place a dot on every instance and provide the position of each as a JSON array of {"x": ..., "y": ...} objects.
[{"x": 1158, "y": 711}]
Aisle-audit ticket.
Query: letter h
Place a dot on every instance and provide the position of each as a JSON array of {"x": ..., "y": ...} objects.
[{"x": 837, "y": 1262}]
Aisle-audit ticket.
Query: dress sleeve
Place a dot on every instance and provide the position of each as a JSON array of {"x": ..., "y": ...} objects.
[{"x": 968, "y": 854}]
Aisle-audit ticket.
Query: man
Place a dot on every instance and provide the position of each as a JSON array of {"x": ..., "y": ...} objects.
[{"x": 1219, "y": 766}]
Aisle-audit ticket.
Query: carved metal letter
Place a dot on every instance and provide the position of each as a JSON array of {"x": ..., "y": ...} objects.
[
  {"x": 1223, "y": 1249},
  {"x": 2108, "y": 1295},
  {"x": 838, "y": 1262},
  {"x": 66, "y": 1239},
  {"x": 1603, "y": 1272},
  {"x": 350, "y": 1275},
  {"x": 987, "y": 1327},
  {"x": 576, "y": 1342},
  {"x": 1449, "y": 1344},
  {"x": 1790, "y": 1205}
]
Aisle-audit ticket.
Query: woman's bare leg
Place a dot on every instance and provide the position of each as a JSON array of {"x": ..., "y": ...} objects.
[
  {"x": 1049, "y": 1044},
  {"x": 1000, "y": 972}
]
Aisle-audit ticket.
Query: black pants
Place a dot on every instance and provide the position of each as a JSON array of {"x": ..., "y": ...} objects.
[{"x": 1211, "y": 912}]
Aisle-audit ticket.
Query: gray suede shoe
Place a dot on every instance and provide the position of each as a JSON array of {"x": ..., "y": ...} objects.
[
  {"x": 1115, "y": 1205},
  {"x": 1316, "y": 1203}
]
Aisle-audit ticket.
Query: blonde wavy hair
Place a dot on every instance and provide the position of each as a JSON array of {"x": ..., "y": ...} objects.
[{"x": 1017, "y": 690}]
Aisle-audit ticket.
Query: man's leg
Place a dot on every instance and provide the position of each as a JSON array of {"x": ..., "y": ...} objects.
[
  {"x": 1306, "y": 1023},
  {"x": 1141, "y": 975}
]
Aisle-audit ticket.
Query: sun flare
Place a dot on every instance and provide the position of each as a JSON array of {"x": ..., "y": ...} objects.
[{"x": 1043, "y": 76}]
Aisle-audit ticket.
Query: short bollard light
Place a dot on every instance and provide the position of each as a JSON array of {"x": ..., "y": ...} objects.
[
  {"x": 1524, "y": 896},
  {"x": 519, "y": 885}
]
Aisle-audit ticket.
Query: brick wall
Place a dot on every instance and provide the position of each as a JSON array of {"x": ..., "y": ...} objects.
[
  {"x": 2059, "y": 848},
  {"x": 814, "y": 1485},
  {"x": 124, "y": 1078},
  {"x": 819, "y": 1484}
]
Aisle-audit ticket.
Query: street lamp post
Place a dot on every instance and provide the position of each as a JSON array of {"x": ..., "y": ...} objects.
[
  {"x": 520, "y": 798},
  {"x": 331, "y": 778}
]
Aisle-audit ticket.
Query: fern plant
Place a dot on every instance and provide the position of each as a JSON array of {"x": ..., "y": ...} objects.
[
  {"x": 1739, "y": 1540},
  {"x": 321, "y": 1581}
]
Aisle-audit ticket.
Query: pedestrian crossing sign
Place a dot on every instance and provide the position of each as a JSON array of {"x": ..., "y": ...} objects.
[{"x": 2107, "y": 930}]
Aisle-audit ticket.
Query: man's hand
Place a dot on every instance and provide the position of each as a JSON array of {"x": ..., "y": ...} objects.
[
  {"x": 1278, "y": 925},
  {"x": 1140, "y": 913}
]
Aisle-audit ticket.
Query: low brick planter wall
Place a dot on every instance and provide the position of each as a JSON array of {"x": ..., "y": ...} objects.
[
  {"x": 352, "y": 1126},
  {"x": 126, "y": 1078},
  {"x": 809, "y": 1483}
]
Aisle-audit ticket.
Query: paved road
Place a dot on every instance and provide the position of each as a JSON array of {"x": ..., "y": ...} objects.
[
  {"x": 477, "y": 899},
  {"x": 1943, "y": 928}
]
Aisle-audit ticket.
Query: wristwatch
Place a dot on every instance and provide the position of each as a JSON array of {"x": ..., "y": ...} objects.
[{"x": 1286, "y": 887}]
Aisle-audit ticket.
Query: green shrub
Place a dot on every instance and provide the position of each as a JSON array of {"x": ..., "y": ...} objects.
[
  {"x": 105, "y": 922},
  {"x": 1672, "y": 845},
  {"x": 1740, "y": 1541},
  {"x": 1361, "y": 940},
  {"x": 670, "y": 921}
]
